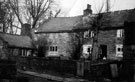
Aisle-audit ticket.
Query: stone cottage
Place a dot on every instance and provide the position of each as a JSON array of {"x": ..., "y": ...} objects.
[
  {"x": 59, "y": 32},
  {"x": 58, "y": 44},
  {"x": 109, "y": 45},
  {"x": 15, "y": 45},
  {"x": 110, "y": 36}
]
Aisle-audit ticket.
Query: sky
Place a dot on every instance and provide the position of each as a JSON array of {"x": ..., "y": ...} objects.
[{"x": 76, "y": 7}]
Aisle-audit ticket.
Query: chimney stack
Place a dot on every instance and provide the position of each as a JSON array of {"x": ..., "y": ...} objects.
[
  {"x": 88, "y": 10},
  {"x": 26, "y": 30}
]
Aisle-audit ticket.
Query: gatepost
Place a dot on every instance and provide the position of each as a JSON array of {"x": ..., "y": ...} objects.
[{"x": 80, "y": 68}]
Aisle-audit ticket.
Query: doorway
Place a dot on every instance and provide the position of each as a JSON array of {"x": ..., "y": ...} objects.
[
  {"x": 103, "y": 51},
  {"x": 41, "y": 51}
]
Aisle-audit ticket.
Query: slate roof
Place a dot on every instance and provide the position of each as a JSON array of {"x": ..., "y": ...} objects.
[
  {"x": 109, "y": 20},
  {"x": 117, "y": 18},
  {"x": 17, "y": 41},
  {"x": 62, "y": 24}
]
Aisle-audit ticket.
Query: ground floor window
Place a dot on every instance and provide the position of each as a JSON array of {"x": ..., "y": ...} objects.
[
  {"x": 53, "y": 51},
  {"x": 53, "y": 48},
  {"x": 119, "y": 50},
  {"x": 15, "y": 52},
  {"x": 87, "y": 49}
]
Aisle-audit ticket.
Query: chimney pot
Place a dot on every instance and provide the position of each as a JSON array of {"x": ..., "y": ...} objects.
[
  {"x": 88, "y": 6},
  {"x": 25, "y": 30},
  {"x": 88, "y": 10}
]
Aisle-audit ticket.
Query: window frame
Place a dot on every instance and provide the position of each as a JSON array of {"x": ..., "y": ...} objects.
[
  {"x": 88, "y": 34},
  {"x": 119, "y": 33},
  {"x": 85, "y": 48},
  {"x": 119, "y": 52},
  {"x": 53, "y": 48}
]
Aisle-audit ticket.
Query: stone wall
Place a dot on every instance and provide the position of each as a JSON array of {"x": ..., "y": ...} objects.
[
  {"x": 61, "y": 40},
  {"x": 105, "y": 37},
  {"x": 108, "y": 38},
  {"x": 65, "y": 45}
]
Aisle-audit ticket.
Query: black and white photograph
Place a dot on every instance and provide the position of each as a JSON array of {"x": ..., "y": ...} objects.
[{"x": 67, "y": 40}]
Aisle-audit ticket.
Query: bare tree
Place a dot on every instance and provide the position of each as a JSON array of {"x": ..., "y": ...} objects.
[
  {"x": 75, "y": 43},
  {"x": 96, "y": 24},
  {"x": 32, "y": 11},
  {"x": 7, "y": 17},
  {"x": 15, "y": 8},
  {"x": 36, "y": 9}
]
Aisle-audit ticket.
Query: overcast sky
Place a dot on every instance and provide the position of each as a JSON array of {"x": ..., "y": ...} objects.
[{"x": 76, "y": 7}]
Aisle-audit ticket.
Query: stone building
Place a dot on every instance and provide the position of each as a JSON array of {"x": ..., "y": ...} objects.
[
  {"x": 15, "y": 45},
  {"x": 58, "y": 44},
  {"x": 110, "y": 44},
  {"x": 60, "y": 31},
  {"x": 110, "y": 36}
]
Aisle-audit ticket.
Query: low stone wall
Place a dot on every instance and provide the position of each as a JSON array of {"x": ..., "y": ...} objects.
[
  {"x": 86, "y": 69},
  {"x": 45, "y": 65},
  {"x": 7, "y": 69}
]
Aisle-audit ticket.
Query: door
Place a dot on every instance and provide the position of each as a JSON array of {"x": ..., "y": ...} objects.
[
  {"x": 103, "y": 51},
  {"x": 41, "y": 51}
]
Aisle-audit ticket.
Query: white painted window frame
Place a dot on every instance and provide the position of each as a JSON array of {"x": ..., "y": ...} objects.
[
  {"x": 120, "y": 33},
  {"x": 88, "y": 34},
  {"x": 119, "y": 53},
  {"x": 53, "y": 48}
]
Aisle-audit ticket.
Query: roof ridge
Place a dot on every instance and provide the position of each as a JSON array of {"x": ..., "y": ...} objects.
[
  {"x": 13, "y": 34},
  {"x": 69, "y": 17},
  {"x": 116, "y": 11}
]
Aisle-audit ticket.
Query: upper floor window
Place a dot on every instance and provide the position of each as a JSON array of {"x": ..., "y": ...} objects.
[
  {"x": 92, "y": 34},
  {"x": 88, "y": 34},
  {"x": 119, "y": 33}
]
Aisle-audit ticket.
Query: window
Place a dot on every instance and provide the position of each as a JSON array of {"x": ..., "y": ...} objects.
[
  {"x": 92, "y": 34},
  {"x": 53, "y": 48},
  {"x": 87, "y": 48},
  {"x": 119, "y": 50},
  {"x": 53, "y": 51},
  {"x": 88, "y": 34},
  {"x": 15, "y": 52},
  {"x": 1, "y": 27},
  {"x": 119, "y": 33}
]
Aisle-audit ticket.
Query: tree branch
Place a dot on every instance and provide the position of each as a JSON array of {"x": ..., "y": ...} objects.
[
  {"x": 57, "y": 13},
  {"x": 15, "y": 8}
]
